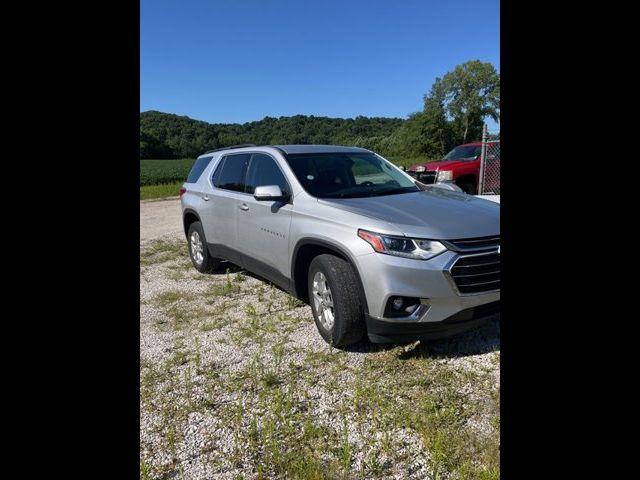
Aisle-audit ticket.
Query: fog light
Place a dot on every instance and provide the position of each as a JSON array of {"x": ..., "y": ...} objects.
[
  {"x": 412, "y": 308},
  {"x": 398, "y": 306}
]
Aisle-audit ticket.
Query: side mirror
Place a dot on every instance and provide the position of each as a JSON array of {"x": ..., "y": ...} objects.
[{"x": 268, "y": 193}]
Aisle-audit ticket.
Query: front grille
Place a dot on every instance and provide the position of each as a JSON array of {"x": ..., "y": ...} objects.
[
  {"x": 427, "y": 177},
  {"x": 480, "y": 243},
  {"x": 477, "y": 273}
]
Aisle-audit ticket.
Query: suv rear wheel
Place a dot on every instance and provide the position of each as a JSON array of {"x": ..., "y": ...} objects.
[
  {"x": 336, "y": 305},
  {"x": 198, "y": 251}
]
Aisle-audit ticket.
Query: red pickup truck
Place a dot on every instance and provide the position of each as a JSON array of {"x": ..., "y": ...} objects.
[{"x": 462, "y": 167}]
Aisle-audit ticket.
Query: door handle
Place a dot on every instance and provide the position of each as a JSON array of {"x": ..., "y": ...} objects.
[
  {"x": 206, "y": 198},
  {"x": 244, "y": 206}
]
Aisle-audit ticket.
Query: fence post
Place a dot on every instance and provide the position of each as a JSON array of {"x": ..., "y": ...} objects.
[{"x": 483, "y": 158}]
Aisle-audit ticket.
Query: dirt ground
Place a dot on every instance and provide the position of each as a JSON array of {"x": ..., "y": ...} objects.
[
  {"x": 159, "y": 217},
  {"x": 236, "y": 382}
]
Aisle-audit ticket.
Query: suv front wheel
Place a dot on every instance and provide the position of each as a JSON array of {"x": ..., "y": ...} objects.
[
  {"x": 198, "y": 251},
  {"x": 336, "y": 305}
]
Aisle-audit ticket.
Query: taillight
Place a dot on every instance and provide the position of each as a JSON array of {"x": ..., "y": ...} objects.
[{"x": 182, "y": 190}]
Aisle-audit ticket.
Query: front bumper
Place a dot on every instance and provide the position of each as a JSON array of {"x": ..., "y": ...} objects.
[
  {"x": 384, "y": 276},
  {"x": 380, "y": 331}
]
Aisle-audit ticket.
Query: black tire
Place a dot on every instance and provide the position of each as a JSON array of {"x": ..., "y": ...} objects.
[
  {"x": 348, "y": 324},
  {"x": 468, "y": 187},
  {"x": 208, "y": 263}
]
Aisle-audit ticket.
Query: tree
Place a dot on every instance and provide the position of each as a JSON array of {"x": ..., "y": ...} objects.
[
  {"x": 164, "y": 135},
  {"x": 426, "y": 133},
  {"x": 467, "y": 94}
]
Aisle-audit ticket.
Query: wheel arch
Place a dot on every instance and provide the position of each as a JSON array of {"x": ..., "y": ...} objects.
[
  {"x": 188, "y": 217},
  {"x": 307, "y": 249}
]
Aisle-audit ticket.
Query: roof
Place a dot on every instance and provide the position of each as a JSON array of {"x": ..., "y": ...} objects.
[
  {"x": 319, "y": 149},
  {"x": 293, "y": 149}
]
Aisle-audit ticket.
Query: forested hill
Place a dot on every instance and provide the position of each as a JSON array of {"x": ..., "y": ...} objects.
[
  {"x": 165, "y": 135},
  {"x": 453, "y": 113}
]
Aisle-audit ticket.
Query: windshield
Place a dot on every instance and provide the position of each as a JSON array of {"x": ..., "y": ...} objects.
[
  {"x": 348, "y": 175},
  {"x": 463, "y": 153}
]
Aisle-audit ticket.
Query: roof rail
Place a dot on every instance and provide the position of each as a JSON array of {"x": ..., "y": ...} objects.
[
  {"x": 284, "y": 154},
  {"x": 231, "y": 147}
]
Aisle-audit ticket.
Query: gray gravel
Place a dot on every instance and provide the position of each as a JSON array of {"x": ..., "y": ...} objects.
[
  {"x": 219, "y": 352},
  {"x": 159, "y": 217}
]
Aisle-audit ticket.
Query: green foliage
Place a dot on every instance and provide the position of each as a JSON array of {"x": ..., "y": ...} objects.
[
  {"x": 156, "y": 172},
  {"x": 454, "y": 111},
  {"x": 164, "y": 135},
  {"x": 468, "y": 94},
  {"x": 165, "y": 190}
]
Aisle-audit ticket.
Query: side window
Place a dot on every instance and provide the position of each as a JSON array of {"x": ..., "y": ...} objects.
[
  {"x": 216, "y": 173},
  {"x": 263, "y": 170},
  {"x": 198, "y": 168},
  {"x": 228, "y": 175}
]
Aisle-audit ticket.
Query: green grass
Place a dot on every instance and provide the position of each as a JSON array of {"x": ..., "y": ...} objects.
[
  {"x": 149, "y": 192},
  {"x": 156, "y": 172},
  {"x": 389, "y": 396},
  {"x": 163, "y": 251},
  {"x": 163, "y": 178},
  {"x": 430, "y": 399},
  {"x": 228, "y": 287}
]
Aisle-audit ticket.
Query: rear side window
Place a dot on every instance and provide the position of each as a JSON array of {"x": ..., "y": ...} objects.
[
  {"x": 229, "y": 174},
  {"x": 264, "y": 171},
  {"x": 198, "y": 168}
]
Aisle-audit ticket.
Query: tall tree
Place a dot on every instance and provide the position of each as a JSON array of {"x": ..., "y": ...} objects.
[{"x": 468, "y": 94}]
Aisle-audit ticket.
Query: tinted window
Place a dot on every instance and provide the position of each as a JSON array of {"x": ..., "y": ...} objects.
[
  {"x": 463, "y": 153},
  {"x": 197, "y": 169},
  {"x": 231, "y": 172},
  {"x": 263, "y": 171},
  {"x": 346, "y": 175}
]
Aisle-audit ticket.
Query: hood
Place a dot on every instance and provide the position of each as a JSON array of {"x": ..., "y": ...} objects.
[
  {"x": 441, "y": 165},
  {"x": 435, "y": 213}
]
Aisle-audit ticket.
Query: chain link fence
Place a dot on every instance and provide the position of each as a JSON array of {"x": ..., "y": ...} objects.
[{"x": 489, "y": 183}]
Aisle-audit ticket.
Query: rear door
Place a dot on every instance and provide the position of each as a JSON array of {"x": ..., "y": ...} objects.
[
  {"x": 263, "y": 227},
  {"x": 222, "y": 206}
]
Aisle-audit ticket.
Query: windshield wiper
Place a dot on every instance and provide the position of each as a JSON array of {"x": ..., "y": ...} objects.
[
  {"x": 371, "y": 193},
  {"x": 394, "y": 191},
  {"x": 332, "y": 195}
]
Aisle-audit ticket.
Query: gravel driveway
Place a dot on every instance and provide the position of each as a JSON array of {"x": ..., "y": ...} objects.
[
  {"x": 236, "y": 382},
  {"x": 159, "y": 217}
]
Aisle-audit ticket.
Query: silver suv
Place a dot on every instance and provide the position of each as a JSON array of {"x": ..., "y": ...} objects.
[{"x": 373, "y": 252}]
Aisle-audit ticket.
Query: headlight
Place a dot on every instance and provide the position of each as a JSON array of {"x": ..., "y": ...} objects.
[
  {"x": 445, "y": 175},
  {"x": 417, "y": 248},
  {"x": 420, "y": 169}
]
